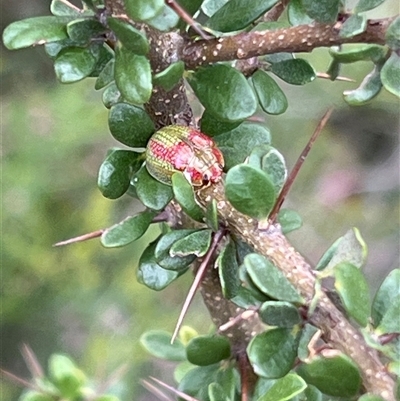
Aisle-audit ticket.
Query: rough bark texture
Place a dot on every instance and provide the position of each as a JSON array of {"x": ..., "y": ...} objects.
[{"x": 173, "y": 107}]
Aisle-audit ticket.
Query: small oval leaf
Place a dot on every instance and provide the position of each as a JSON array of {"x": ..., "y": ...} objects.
[
  {"x": 390, "y": 74},
  {"x": 169, "y": 77},
  {"x": 353, "y": 26},
  {"x": 152, "y": 193},
  {"x": 151, "y": 274},
  {"x": 128, "y": 230},
  {"x": 324, "y": 11},
  {"x": 353, "y": 290},
  {"x": 130, "y": 125},
  {"x": 296, "y": 71},
  {"x": 143, "y": 9},
  {"x": 129, "y": 36},
  {"x": 273, "y": 352},
  {"x": 237, "y": 144},
  {"x": 207, "y": 350},
  {"x": 196, "y": 243},
  {"x": 289, "y": 220},
  {"x": 224, "y": 92},
  {"x": 184, "y": 195},
  {"x": 133, "y": 76},
  {"x": 280, "y": 314},
  {"x": 158, "y": 343},
  {"x": 34, "y": 31},
  {"x": 271, "y": 97},
  {"x": 269, "y": 279},
  {"x": 116, "y": 171},
  {"x": 285, "y": 388},
  {"x": 337, "y": 376},
  {"x": 228, "y": 270},
  {"x": 73, "y": 64},
  {"x": 236, "y": 14},
  {"x": 250, "y": 190}
]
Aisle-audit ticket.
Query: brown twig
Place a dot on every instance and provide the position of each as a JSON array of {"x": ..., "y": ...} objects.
[
  {"x": 301, "y": 38},
  {"x": 80, "y": 238},
  {"x": 293, "y": 174}
]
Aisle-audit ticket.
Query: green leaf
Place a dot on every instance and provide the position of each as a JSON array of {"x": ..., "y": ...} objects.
[
  {"x": 213, "y": 126},
  {"x": 74, "y": 64},
  {"x": 190, "y": 6},
  {"x": 62, "y": 8},
  {"x": 210, "y": 7},
  {"x": 369, "y": 88},
  {"x": 269, "y": 279},
  {"x": 324, "y": 11},
  {"x": 169, "y": 77},
  {"x": 128, "y": 230},
  {"x": 354, "y": 25},
  {"x": 53, "y": 48},
  {"x": 103, "y": 55},
  {"x": 83, "y": 30},
  {"x": 184, "y": 195},
  {"x": 130, "y": 37},
  {"x": 228, "y": 270},
  {"x": 162, "y": 251},
  {"x": 116, "y": 171},
  {"x": 273, "y": 352},
  {"x": 158, "y": 343},
  {"x": 351, "y": 249},
  {"x": 165, "y": 20},
  {"x": 307, "y": 334},
  {"x": 337, "y": 376},
  {"x": 196, "y": 243},
  {"x": 211, "y": 215},
  {"x": 278, "y": 57},
  {"x": 393, "y": 34},
  {"x": 297, "y": 14},
  {"x": 65, "y": 375},
  {"x": 350, "y": 53},
  {"x": 271, "y": 97},
  {"x": 289, "y": 220},
  {"x": 280, "y": 314},
  {"x": 35, "y": 396},
  {"x": 328, "y": 255},
  {"x": 333, "y": 69},
  {"x": 237, "y": 144},
  {"x": 111, "y": 96},
  {"x": 274, "y": 165},
  {"x": 285, "y": 388},
  {"x": 133, "y": 76},
  {"x": 106, "y": 76},
  {"x": 390, "y": 322},
  {"x": 296, "y": 71},
  {"x": 385, "y": 296},
  {"x": 207, "y": 350},
  {"x": 250, "y": 190},
  {"x": 365, "y": 5},
  {"x": 236, "y": 14},
  {"x": 390, "y": 74},
  {"x": 195, "y": 383},
  {"x": 224, "y": 92},
  {"x": 217, "y": 393},
  {"x": 353, "y": 290},
  {"x": 130, "y": 125},
  {"x": 151, "y": 274},
  {"x": 107, "y": 397},
  {"x": 143, "y": 9},
  {"x": 152, "y": 193},
  {"x": 34, "y": 31}
]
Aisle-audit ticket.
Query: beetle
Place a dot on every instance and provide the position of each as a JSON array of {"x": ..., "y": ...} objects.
[{"x": 179, "y": 148}]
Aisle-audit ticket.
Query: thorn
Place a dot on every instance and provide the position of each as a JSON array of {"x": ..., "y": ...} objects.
[
  {"x": 154, "y": 390},
  {"x": 32, "y": 362},
  {"x": 247, "y": 314},
  {"x": 113, "y": 378},
  {"x": 293, "y": 174},
  {"x": 188, "y": 19},
  {"x": 173, "y": 390},
  {"x": 18, "y": 380},
  {"x": 324, "y": 75},
  {"x": 197, "y": 280},
  {"x": 81, "y": 238}
]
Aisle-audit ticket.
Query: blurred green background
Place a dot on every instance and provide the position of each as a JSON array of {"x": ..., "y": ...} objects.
[{"x": 83, "y": 299}]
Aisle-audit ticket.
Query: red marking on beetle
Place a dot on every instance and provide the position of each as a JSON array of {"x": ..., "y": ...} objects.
[{"x": 188, "y": 150}]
